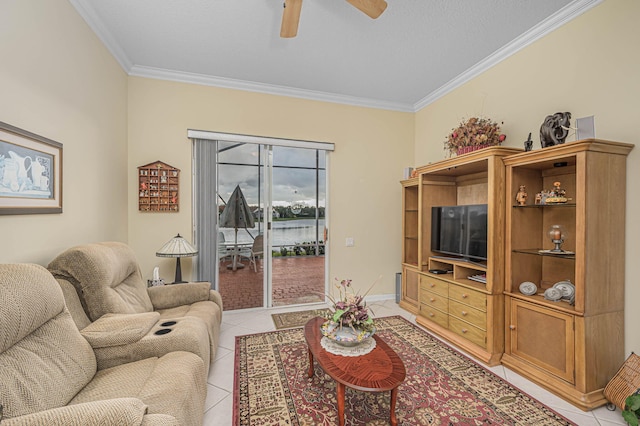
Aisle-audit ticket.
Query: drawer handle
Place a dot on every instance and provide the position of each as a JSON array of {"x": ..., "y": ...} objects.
[
  {"x": 512, "y": 327},
  {"x": 432, "y": 285},
  {"x": 432, "y": 299},
  {"x": 465, "y": 295},
  {"x": 430, "y": 314},
  {"x": 464, "y": 330},
  {"x": 464, "y": 313}
]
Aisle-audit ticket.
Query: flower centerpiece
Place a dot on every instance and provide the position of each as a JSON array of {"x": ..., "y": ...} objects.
[
  {"x": 349, "y": 322},
  {"x": 472, "y": 134}
]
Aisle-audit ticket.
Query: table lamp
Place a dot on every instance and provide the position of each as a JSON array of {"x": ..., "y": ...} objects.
[{"x": 177, "y": 247}]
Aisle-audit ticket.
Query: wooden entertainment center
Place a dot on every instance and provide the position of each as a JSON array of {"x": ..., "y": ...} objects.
[{"x": 571, "y": 347}]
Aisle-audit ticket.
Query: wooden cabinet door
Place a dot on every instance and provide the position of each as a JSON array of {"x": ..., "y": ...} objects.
[
  {"x": 543, "y": 337},
  {"x": 410, "y": 286}
]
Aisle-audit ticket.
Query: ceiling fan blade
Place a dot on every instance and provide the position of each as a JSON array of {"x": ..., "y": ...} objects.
[
  {"x": 373, "y": 8},
  {"x": 290, "y": 18}
]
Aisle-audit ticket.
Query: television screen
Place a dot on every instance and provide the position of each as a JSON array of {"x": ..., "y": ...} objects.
[{"x": 460, "y": 231}]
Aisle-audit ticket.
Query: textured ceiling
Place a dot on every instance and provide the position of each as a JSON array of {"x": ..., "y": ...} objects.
[{"x": 404, "y": 59}]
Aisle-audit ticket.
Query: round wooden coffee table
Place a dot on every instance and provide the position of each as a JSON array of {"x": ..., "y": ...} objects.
[{"x": 378, "y": 371}]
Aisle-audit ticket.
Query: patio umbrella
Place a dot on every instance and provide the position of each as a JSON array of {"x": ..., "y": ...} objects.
[{"x": 236, "y": 214}]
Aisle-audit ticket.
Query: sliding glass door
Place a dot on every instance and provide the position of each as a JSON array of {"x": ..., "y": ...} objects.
[{"x": 270, "y": 231}]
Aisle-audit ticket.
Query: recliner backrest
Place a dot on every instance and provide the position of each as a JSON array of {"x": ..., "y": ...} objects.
[
  {"x": 45, "y": 361},
  {"x": 107, "y": 277},
  {"x": 74, "y": 305}
]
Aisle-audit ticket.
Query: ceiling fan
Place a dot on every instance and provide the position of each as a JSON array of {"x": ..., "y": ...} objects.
[{"x": 291, "y": 14}]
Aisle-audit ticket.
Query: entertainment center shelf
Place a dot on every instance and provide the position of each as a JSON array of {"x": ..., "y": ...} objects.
[
  {"x": 539, "y": 299},
  {"x": 459, "y": 272}
]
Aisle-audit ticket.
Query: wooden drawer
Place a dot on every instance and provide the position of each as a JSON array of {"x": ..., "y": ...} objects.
[
  {"x": 468, "y": 331},
  {"x": 468, "y": 297},
  {"x": 468, "y": 314},
  {"x": 439, "y": 317},
  {"x": 434, "y": 285},
  {"x": 434, "y": 300}
]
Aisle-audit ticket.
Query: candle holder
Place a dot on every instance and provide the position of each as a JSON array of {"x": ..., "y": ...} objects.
[{"x": 557, "y": 235}]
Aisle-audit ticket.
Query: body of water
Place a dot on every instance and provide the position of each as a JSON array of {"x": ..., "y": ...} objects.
[{"x": 287, "y": 232}]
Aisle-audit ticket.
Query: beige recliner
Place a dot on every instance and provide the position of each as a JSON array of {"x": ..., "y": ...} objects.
[
  {"x": 108, "y": 280},
  {"x": 121, "y": 338},
  {"x": 49, "y": 375}
]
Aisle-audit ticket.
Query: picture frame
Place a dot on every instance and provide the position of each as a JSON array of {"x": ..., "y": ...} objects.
[{"x": 30, "y": 172}]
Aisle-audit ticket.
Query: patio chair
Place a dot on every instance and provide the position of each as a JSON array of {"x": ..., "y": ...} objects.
[
  {"x": 224, "y": 253},
  {"x": 257, "y": 250}
]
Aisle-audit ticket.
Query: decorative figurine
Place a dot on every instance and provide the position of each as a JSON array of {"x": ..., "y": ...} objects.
[
  {"x": 521, "y": 196},
  {"x": 538, "y": 198},
  {"x": 528, "y": 144},
  {"x": 557, "y": 195},
  {"x": 554, "y": 129}
]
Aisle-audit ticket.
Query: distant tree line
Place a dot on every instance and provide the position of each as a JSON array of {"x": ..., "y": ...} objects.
[{"x": 306, "y": 212}]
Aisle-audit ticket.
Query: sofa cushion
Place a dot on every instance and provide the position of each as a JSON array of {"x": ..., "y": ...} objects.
[
  {"x": 106, "y": 276},
  {"x": 172, "y": 384},
  {"x": 121, "y": 412},
  {"x": 45, "y": 361}
]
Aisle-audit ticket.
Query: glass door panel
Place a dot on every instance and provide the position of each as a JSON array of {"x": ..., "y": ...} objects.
[
  {"x": 298, "y": 264},
  {"x": 280, "y": 259},
  {"x": 240, "y": 271}
]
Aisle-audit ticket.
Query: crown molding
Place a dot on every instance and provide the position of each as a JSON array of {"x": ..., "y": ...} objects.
[
  {"x": 229, "y": 83},
  {"x": 555, "y": 21},
  {"x": 88, "y": 13}
]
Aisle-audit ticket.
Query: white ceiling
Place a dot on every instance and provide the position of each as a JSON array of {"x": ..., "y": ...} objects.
[{"x": 415, "y": 52}]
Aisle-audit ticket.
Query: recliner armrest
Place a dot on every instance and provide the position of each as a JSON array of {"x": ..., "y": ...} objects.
[
  {"x": 119, "y": 329},
  {"x": 170, "y": 296},
  {"x": 118, "y": 411},
  {"x": 215, "y": 297}
]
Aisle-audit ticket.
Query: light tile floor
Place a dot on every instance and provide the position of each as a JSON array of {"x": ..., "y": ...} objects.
[{"x": 219, "y": 403}]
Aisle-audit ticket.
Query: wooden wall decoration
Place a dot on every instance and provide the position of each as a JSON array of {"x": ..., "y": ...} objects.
[{"x": 158, "y": 188}]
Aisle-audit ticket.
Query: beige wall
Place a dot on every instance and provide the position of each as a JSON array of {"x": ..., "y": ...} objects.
[
  {"x": 590, "y": 66},
  {"x": 372, "y": 148},
  {"x": 57, "y": 80}
]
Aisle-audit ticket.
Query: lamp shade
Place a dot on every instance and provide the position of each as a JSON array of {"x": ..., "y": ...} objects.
[{"x": 177, "y": 247}]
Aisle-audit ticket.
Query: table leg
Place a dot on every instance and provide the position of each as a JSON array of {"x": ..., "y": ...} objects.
[
  {"x": 310, "y": 363},
  {"x": 340, "y": 393},
  {"x": 392, "y": 407}
]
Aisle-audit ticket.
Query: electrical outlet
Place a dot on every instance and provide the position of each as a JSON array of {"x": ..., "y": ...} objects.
[{"x": 349, "y": 242}]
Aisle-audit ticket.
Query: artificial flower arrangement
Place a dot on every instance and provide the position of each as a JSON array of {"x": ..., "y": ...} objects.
[
  {"x": 350, "y": 309},
  {"x": 472, "y": 134}
]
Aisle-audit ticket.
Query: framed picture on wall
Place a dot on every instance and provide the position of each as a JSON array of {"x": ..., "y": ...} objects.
[{"x": 30, "y": 172}]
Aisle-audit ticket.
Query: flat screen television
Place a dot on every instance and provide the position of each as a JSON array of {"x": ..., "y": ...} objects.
[{"x": 460, "y": 231}]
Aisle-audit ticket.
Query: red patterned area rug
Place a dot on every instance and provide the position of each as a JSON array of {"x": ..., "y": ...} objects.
[{"x": 442, "y": 387}]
